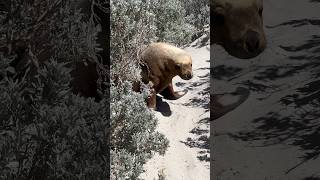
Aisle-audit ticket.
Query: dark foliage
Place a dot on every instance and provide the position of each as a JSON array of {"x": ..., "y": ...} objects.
[{"x": 46, "y": 131}]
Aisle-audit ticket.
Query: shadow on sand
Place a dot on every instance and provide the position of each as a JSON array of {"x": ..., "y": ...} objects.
[
  {"x": 203, "y": 97},
  {"x": 163, "y": 107},
  {"x": 200, "y": 134},
  {"x": 297, "y": 122},
  {"x": 201, "y": 140}
]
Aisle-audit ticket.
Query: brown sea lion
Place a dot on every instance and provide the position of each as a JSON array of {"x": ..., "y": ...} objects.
[
  {"x": 160, "y": 63},
  {"x": 238, "y": 28}
]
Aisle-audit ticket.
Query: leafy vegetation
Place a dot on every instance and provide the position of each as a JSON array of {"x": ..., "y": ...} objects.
[
  {"x": 47, "y": 131},
  {"x": 135, "y": 24}
]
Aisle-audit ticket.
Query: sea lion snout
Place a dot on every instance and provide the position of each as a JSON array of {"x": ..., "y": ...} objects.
[
  {"x": 187, "y": 76},
  {"x": 238, "y": 27},
  {"x": 252, "y": 42}
]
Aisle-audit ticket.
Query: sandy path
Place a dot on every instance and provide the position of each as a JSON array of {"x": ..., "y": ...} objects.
[{"x": 185, "y": 123}]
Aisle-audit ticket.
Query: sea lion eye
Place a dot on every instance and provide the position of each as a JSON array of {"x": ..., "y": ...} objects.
[{"x": 178, "y": 66}]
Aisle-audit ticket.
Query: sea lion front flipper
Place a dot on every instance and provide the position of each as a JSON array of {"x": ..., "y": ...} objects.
[
  {"x": 220, "y": 107},
  {"x": 169, "y": 93}
]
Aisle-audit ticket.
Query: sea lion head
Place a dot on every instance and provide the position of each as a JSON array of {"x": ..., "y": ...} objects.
[{"x": 238, "y": 27}]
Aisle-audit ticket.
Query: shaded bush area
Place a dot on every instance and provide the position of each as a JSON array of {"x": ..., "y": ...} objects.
[{"x": 46, "y": 131}]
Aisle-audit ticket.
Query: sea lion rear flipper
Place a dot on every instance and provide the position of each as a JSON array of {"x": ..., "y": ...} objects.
[
  {"x": 220, "y": 108},
  {"x": 169, "y": 93}
]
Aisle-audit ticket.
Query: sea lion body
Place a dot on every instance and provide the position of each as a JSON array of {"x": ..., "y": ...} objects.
[{"x": 160, "y": 63}]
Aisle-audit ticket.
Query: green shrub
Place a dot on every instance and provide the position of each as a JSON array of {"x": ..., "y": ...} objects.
[
  {"x": 135, "y": 24},
  {"x": 133, "y": 136},
  {"x": 133, "y": 139},
  {"x": 46, "y": 132}
]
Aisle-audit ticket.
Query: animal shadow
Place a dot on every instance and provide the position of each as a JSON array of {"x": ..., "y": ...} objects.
[
  {"x": 163, "y": 107},
  {"x": 200, "y": 140}
]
